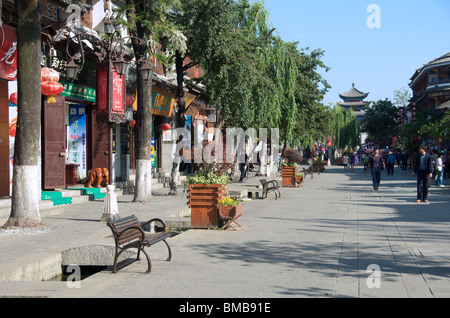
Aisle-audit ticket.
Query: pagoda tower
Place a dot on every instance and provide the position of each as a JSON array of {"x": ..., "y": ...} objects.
[{"x": 354, "y": 99}]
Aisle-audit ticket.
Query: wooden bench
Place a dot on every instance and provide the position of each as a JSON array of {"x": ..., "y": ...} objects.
[
  {"x": 270, "y": 186},
  {"x": 129, "y": 233},
  {"x": 309, "y": 171}
]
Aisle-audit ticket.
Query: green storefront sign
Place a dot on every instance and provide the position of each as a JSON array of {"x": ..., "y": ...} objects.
[{"x": 80, "y": 92}]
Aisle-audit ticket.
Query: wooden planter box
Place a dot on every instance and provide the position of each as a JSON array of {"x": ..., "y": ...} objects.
[
  {"x": 319, "y": 167},
  {"x": 299, "y": 180},
  {"x": 204, "y": 201},
  {"x": 229, "y": 214},
  {"x": 288, "y": 176}
]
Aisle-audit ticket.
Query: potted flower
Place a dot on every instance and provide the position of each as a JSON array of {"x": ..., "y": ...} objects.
[
  {"x": 205, "y": 193},
  {"x": 230, "y": 210},
  {"x": 299, "y": 177},
  {"x": 289, "y": 167},
  {"x": 318, "y": 165}
]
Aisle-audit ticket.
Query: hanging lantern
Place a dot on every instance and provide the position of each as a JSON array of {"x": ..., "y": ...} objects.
[
  {"x": 50, "y": 86},
  {"x": 49, "y": 74},
  {"x": 130, "y": 100},
  {"x": 165, "y": 127},
  {"x": 51, "y": 89}
]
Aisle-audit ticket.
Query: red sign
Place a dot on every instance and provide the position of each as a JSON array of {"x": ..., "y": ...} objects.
[
  {"x": 111, "y": 94},
  {"x": 102, "y": 90},
  {"x": 8, "y": 53},
  {"x": 118, "y": 105}
]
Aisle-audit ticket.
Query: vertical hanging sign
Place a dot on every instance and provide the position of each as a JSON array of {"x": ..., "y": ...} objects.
[
  {"x": 111, "y": 94},
  {"x": 77, "y": 138}
]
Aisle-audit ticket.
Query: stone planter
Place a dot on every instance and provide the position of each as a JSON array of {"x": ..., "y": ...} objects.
[
  {"x": 204, "y": 201},
  {"x": 288, "y": 176}
]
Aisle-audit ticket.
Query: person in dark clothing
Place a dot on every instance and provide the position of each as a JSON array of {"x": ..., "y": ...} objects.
[
  {"x": 376, "y": 160},
  {"x": 423, "y": 169}
]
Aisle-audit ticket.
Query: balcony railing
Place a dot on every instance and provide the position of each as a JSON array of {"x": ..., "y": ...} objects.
[{"x": 437, "y": 81}]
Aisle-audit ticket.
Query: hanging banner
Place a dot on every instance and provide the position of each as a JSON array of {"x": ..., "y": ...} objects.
[
  {"x": 111, "y": 94},
  {"x": 12, "y": 92},
  {"x": 8, "y": 53},
  {"x": 77, "y": 138}
]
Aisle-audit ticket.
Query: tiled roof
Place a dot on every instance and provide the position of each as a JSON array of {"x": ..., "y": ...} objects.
[{"x": 354, "y": 93}]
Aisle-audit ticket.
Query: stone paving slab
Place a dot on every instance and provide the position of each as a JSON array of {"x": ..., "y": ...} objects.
[{"x": 315, "y": 242}]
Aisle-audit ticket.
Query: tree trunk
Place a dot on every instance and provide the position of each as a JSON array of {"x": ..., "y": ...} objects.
[
  {"x": 25, "y": 200},
  {"x": 143, "y": 185},
  {"x": 179, "y": 121}
]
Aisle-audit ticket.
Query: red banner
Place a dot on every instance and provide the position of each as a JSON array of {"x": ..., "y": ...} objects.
[
  {"x": 111, "y": 94},
  {"x": 118, "y": 105},
  {"x": 8, "y": 53},
  {"x": 102, "y": 90}
]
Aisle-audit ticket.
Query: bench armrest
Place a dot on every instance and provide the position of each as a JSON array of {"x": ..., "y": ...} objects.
[
  {"x": 154, "y": 220},
  {"x": 274, "y": 183}
]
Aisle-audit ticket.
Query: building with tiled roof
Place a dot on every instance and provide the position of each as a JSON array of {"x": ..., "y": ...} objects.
[
  {"x": 355, "y": 100},
  {"x": 431, "y": 87}
]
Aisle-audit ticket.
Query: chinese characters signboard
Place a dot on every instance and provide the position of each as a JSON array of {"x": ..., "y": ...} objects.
[
  {"x": 111, "y": 94},
  {"x": 77, "y": 138},
  {"x": 8, "y": 53}
]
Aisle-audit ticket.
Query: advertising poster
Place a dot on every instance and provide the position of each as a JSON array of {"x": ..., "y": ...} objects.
[
  {"x": 12, "y": 93},
  {"x": 77, "y": 138}
]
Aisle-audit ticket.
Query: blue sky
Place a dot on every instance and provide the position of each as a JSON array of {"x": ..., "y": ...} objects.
[{"x": 377, "y": 60}]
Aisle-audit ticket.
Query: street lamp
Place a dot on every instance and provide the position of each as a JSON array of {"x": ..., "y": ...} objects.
[
  {"x": 71, "y": 70},
  {"x": 146, "y": 71},
  {"x": 111, "y": 55}
]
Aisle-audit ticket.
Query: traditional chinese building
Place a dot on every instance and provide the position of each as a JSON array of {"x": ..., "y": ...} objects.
[
  {"x": 430, "y": 86},
  {"x": 354, "y": 99}
]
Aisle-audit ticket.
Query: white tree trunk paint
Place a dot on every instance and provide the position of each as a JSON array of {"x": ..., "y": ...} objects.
[
  {"x": 143, "y": 187},
  {"x": 25, "y": 197}
]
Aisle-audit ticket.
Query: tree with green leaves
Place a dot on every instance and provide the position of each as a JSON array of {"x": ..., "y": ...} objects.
[
  {"x": 146, "y": 20},
  {"x": 382, "y": 122}
]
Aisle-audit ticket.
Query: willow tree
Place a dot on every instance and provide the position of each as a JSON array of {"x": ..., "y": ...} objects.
[{"x": 342, "y": 127}]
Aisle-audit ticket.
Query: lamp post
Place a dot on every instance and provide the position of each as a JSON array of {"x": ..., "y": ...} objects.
[{"x": 111, "y": 76}]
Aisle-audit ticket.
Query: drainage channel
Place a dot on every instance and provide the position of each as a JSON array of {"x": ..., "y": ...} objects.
[
  {"x": 95, "y": 255},
  {"x": 67, "y": 273}
]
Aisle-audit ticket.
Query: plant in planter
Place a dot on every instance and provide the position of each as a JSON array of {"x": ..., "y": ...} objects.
[
  {"x": 229, "y": 211},
  {"x": 206, "y": 191},
  {"x": 319, "y": 165},
  {"x": 289, "y": 167},
  {"x": 299, "y": 177}
]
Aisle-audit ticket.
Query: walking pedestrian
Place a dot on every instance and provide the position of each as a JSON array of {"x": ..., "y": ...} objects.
[
  {"x": 423, "y": 169},
  {"x": 352, "y": 161},
  {"x": 390, "y": 164},
  {"x": 376, "y": 161},
  {"x": 440, "y": 170},
  {"x": 345, "y": 162}
]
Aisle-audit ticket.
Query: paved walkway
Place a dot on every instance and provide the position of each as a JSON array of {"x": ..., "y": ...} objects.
[{"x": 323, "y": 240}]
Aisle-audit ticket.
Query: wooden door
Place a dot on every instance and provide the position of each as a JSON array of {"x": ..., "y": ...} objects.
[
  {"x": 100, "y": 141},
  {"x": 54, "y": 136}
]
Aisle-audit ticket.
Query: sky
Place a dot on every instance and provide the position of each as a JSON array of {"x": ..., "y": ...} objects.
[{"x": 376, "y": 48}]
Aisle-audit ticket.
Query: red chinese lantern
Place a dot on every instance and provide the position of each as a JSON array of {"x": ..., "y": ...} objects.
[
  {"x": 13, "y": 98},
  {"x": 130, "y": 100},
  {"x": 132, "y": 123},
  {"x": 50, "y": 86},
  {"x": 165, "y": 127},
  {"x": 49, "y": 74}
]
